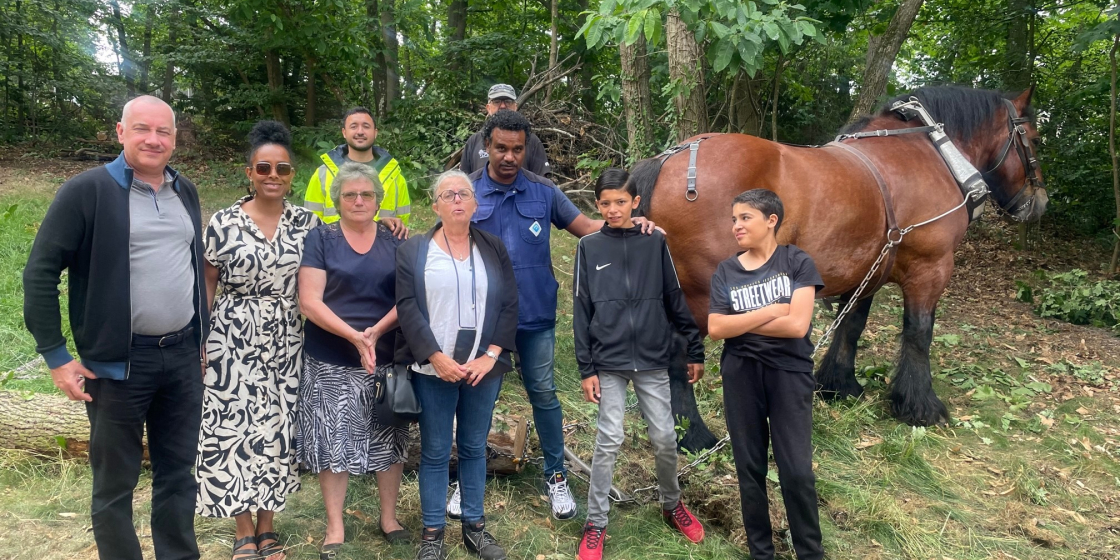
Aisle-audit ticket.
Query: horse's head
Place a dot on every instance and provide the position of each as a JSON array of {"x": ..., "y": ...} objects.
[{"x": 1006, "y": 156}]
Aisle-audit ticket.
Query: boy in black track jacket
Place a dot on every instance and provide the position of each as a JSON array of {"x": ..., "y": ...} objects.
[{"x": 627, "y": 303}]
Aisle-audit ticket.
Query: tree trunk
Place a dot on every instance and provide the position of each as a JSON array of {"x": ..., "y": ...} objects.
[
  {"x": 748, "y": 108},
  {"x": 21, "y": 93},
  {"x": 376, "y": 47},
  {"x": 636, "y": 98},
  {"x": 774, "y": 98},
  {"x": 457, "y": 32},
  {"x": 392, "y": 50},
  {"x": 881, "y": 52},
  {"x": 1112, "y": 147},
  {"x": 51, "y": 423},
  {"x": 127, "y": 63},
  {"x": 686, "y": 71},
  {"x": 1019, "y": 65},
  {"x": 553, "y": 48},
  {"x": 582, "y": 81},
  {"x": 168, "y": 91},
  {"x": 310, "y": 116},
  {"x": 276, "y": 87},
  {"x": 1017, "y": 54},
  {"x": 146, "y": 57}
]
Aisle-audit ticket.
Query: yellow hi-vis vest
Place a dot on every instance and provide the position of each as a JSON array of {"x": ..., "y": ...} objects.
[{"x": 395, "y": 203}]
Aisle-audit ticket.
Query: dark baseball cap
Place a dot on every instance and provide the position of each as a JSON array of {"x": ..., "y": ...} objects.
[{"x": 502, "y": 91}]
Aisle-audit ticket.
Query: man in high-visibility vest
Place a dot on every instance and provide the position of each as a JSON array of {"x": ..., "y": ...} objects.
[{"x": 359, "y": 131}]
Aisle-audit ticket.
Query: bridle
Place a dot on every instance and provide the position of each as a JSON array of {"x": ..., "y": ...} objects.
[{"x": 1017, "y": 137}]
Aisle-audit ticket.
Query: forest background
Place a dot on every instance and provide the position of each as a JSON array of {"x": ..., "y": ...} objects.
[{"x": 634, "y": 76}]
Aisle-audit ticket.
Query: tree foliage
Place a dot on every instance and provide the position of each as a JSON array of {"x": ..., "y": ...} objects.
[{"x": 775, "y": 68}]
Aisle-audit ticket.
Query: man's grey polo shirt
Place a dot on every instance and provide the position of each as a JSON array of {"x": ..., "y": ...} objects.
[{"x": 161, "y": 276}]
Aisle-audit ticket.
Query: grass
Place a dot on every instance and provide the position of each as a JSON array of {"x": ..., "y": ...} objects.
[{"x": 1027, "y": 469}]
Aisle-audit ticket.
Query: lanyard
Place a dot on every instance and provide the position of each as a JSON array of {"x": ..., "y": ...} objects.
[{"x": 455, "y": 267}]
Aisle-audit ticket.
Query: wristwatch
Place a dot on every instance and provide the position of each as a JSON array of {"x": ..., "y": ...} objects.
[{"x": 491, "y": 355}]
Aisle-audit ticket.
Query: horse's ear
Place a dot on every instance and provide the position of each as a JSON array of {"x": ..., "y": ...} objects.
[{"x": 1024, "y": 99}]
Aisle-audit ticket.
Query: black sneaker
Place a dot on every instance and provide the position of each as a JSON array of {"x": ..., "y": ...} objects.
[
  {"x": 481, "y": 542},
  {"x": 431, "y": 546}
]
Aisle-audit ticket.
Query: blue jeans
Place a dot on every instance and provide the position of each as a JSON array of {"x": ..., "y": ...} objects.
[
  {"x": 441, "y": 404},
  {"x": 535, "y": 350}
]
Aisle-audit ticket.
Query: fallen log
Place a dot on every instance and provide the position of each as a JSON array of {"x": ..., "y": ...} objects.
[{"x": 50, "y": 423}]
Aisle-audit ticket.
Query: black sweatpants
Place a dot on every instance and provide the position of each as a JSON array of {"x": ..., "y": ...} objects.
[
  {"x": 164, "y": 392},
  {"x": 763, "y": 405}
]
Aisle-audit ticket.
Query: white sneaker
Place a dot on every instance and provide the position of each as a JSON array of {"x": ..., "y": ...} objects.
[
  {"x": 563, "y": 505},
  {"x": 455, "y": 504}
]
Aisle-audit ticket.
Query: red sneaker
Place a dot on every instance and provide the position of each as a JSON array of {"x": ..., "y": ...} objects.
[
  {"x": 591, "y": 545},
  {"x": 683, "y": 520}
]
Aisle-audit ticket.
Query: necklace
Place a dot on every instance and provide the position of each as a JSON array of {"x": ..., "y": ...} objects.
[{"x": 452, "y": 250}]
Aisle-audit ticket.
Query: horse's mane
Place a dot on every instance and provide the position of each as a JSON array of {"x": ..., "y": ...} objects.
[{"x": 963, "y": 110}]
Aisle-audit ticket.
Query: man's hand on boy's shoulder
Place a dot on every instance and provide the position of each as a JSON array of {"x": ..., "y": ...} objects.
[
  {"x": 646, "y": 225},
  {"x": 591, "y": 391},
  {"x": 695, "y": 372}
]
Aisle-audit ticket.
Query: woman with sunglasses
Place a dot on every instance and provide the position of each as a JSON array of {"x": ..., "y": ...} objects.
[
  {"x": 246, "y": 461},
  {"x": 457, "y": 299},
  {"x": 347, "y": 290}
]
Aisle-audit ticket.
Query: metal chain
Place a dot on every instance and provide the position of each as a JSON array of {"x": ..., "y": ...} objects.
[{"x": 891, "y": 243}]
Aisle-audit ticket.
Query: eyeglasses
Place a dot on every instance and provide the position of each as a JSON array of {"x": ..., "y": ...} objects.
[
  {"x": 367, "y": 196},
  {"x": 265, "y": 168},
  {"x": 449, "y": 196},
  {"x": 502, "y": 103}
]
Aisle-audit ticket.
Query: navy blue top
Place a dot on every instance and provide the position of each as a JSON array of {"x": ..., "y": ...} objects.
[
  {"x": 520, "y": 215},
  {"x": 360, "y": 289}
]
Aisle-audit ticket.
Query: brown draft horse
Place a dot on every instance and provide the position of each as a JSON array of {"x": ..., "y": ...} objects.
[{"x": 835, "y": 212}]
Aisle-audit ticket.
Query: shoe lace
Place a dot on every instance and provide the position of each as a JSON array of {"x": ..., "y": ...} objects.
[
  {"x": 560, "y": 495},
  {"x": 486, "y": 539},
  {"x": 593, "y": 536},
  {"x": 681, "y": 516},
  {"x": 430, "y": 549}
]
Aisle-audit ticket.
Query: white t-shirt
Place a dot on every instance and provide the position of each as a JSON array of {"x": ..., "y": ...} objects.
[{"x": 449, "y": 299}]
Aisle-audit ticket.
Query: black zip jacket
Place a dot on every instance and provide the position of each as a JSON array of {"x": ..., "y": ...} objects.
[
  {"x": 85, "y": 232},
  {"x": 627, "y": 302}
]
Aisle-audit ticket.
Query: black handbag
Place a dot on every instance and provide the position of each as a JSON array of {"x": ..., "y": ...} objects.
[{"x": 401, "y": 398}]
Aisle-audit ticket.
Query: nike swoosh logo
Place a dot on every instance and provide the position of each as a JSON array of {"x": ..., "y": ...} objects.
[{"x": 601, "y": 267}]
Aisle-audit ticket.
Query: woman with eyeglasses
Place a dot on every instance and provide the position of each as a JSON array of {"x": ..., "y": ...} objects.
[
  {"x": 347, "y": 290},
  {"x": 457, "y": 300},
  {"x": 246, "y": 454}
]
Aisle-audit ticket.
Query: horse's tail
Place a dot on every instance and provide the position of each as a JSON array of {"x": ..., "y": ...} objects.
[{"x": 644, "y": 176}]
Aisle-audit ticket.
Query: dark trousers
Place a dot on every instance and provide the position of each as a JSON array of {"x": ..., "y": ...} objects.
[
  {"x": 163, "y": 392},
  {"x": 763, "y": 405}
]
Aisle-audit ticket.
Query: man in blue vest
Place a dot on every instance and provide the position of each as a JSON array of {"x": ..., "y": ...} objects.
[{"x": 520, "y": 207}]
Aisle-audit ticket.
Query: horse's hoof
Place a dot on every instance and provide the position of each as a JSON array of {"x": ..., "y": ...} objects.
[
  {"x": 921, "y": 411},
  {"x": 838, "y": 387}
]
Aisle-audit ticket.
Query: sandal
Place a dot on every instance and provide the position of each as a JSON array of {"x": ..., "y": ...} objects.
[
  {"x": 240, "y": 552},
  {"x": 266, "y": 550},
  {"x": 329, "y": 551}
]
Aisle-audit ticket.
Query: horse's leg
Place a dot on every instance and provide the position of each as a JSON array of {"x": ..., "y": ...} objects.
[
  {"x": 912, "y": 398},
  {"x": 836, "y": 378},
  {"x": 697, "y": 437}
]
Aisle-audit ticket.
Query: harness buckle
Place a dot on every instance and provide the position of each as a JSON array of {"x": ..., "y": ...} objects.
[{"x": 881, "y": 132}]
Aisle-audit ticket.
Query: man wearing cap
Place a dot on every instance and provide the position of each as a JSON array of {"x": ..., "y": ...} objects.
[{"x": 475, "y": 156}]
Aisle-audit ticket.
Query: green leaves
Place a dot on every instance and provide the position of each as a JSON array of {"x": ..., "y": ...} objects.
[{"x": 736, "y": 32}]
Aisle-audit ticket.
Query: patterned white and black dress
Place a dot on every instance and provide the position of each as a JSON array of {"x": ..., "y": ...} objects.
[
  {"x": 339, "y": 428},
  {"x": 246, "y": 452}
]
